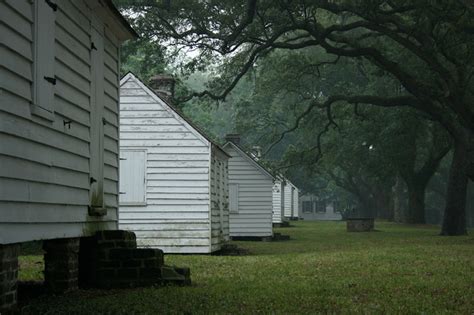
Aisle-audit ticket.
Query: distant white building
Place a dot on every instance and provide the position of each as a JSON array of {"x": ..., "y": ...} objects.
[
  {"x": 291, "y": 201},
  {"x": 250, "y": 193},
  {"x": 312, "y": 208},
  {"x": 279, "y": 201},
  {"x": 173, "y": 178}
]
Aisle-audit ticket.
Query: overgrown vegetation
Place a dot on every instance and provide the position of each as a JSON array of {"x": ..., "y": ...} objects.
[{"x": 399, "y": 269}]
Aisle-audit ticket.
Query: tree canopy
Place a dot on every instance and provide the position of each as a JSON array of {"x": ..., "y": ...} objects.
[{"x": 410, "y": 54}]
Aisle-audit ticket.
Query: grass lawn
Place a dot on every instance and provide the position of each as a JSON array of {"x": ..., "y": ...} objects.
[{"x": 323, "y": 269}]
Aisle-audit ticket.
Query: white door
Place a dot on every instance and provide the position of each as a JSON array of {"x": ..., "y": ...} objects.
[{"x": 132, "y": 177}]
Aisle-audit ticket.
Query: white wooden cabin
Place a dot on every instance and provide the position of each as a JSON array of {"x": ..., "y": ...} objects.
[
  {"x": 291, "y": 202},
  {"x": 59, "y": 94},
  {"x": 314, "y": 208},
  {"x": 174, "y": 192},
  {"x": 250, "y": 194},
  {"x": 296, "y": 203},
  {"x": 278, "y": 200}
]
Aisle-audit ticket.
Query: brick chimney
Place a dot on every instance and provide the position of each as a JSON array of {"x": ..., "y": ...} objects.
[
  {"x": 233, "y": 137},
  {"x": 163, "y": 85},
  {"x": 257, "y": 151}
]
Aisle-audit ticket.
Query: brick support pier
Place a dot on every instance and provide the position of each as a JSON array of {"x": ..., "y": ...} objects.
[
  {"x": 8, "y": 277},
  {"x": 61, "y": 264}
]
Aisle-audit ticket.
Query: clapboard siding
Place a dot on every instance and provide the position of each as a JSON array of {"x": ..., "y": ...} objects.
[
  {"x": 291, "y": 200},
  {"x": 288, "y": 200},
  {"x": 219, "y": 201},
  {"x": 44, "y": 179},
  {"x": 296, "y": 203},
  {"x": 278, "y": 201},
  {"x": 181, "y": 183},
  {"x": 41, "y": 231},
  {"x": 255, "y": 198}
]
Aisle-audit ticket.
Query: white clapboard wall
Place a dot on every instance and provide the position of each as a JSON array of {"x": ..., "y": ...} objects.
[
  {"x": 250, "y": 195},
  {"x": 288, "y": 202},
  {"x": 278, "y": 201},
  {"x": 291, "y": 201},
  {"x": 173, "y": 191},
  {"x": 58, "y": 118},
  {"x": 296, "y": 203}
]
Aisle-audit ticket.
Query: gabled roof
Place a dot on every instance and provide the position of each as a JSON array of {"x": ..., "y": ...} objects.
[
  {"x": 121, "y": 19},
  {"x": 109, "y": 15},
  {"x": 250, "y": 159},
  {"x": 175, "y": 112},
  {"x": 277, "y": 176}
]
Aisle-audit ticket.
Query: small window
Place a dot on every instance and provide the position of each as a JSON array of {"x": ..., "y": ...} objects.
[
  {"x": 132, "y": 177},
  {"x": 234, "y": 198},
  {"x": 307, "y": 206},
  {"x": 43, "y": 66},
  {"x": 321, "y": 206}
]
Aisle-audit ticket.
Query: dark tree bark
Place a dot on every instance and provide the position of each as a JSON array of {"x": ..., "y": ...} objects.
[
  {"x": 416, "y": 202},
  {"x": 417, "y": 179},
  {"x": 398, "y": 201},
  {"x": 384, "y": 204},
  {"x": 454, "y": 222}
]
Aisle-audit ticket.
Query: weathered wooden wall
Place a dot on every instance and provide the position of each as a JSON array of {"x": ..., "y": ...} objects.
[
  {"x": 254, "y": 214},
  {"x": 219, "y": 200},
  {"x": 278, "y": 201},
  {"x": 288, "y": 202},
  {"x": 45, "y": 156},
  {"x": 176, "y": 216},
  {"x": 296, "y": 203}
]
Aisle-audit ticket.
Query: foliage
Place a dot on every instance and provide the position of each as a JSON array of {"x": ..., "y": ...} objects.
[
  {"x": 143, "y": 57},
  {"x": 322, "y": 269}
]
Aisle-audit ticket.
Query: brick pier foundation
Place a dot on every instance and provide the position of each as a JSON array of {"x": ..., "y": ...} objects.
[
  {"x": 61, "y": 264},
  {"x": 8, "y": 277}
]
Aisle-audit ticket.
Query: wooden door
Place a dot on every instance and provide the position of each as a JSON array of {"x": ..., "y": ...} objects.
[{"x": 133, "y": 177}]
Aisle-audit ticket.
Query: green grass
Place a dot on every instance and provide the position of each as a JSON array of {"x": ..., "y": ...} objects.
[
  {"x": 31, "y": 268},
  {"x": 323, "y": 269}
]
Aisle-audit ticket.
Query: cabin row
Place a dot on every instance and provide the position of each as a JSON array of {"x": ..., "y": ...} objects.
[
  {"x": 65, "y": 129},
  {"x": 182, "y": 192}
]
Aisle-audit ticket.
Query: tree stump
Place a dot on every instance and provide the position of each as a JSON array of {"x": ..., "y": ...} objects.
[{"x": 360, "y": 224}]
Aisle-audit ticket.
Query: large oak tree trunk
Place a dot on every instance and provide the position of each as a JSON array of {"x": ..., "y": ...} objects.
[
  {"x": 398, "y": 209},
  {"x": 454, "y": 222},
  {"x": 384, "y": 204},
  {"x": 416, "y": 202}
]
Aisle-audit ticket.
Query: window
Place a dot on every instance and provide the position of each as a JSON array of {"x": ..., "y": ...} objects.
[
  {"x": 307, "y": 206},
  {"x": 43, "y": 66},
  {"x": 132, "y": 177},
  {"x": 234, "y": 198},
  {"x": 320, "y": 206}
]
